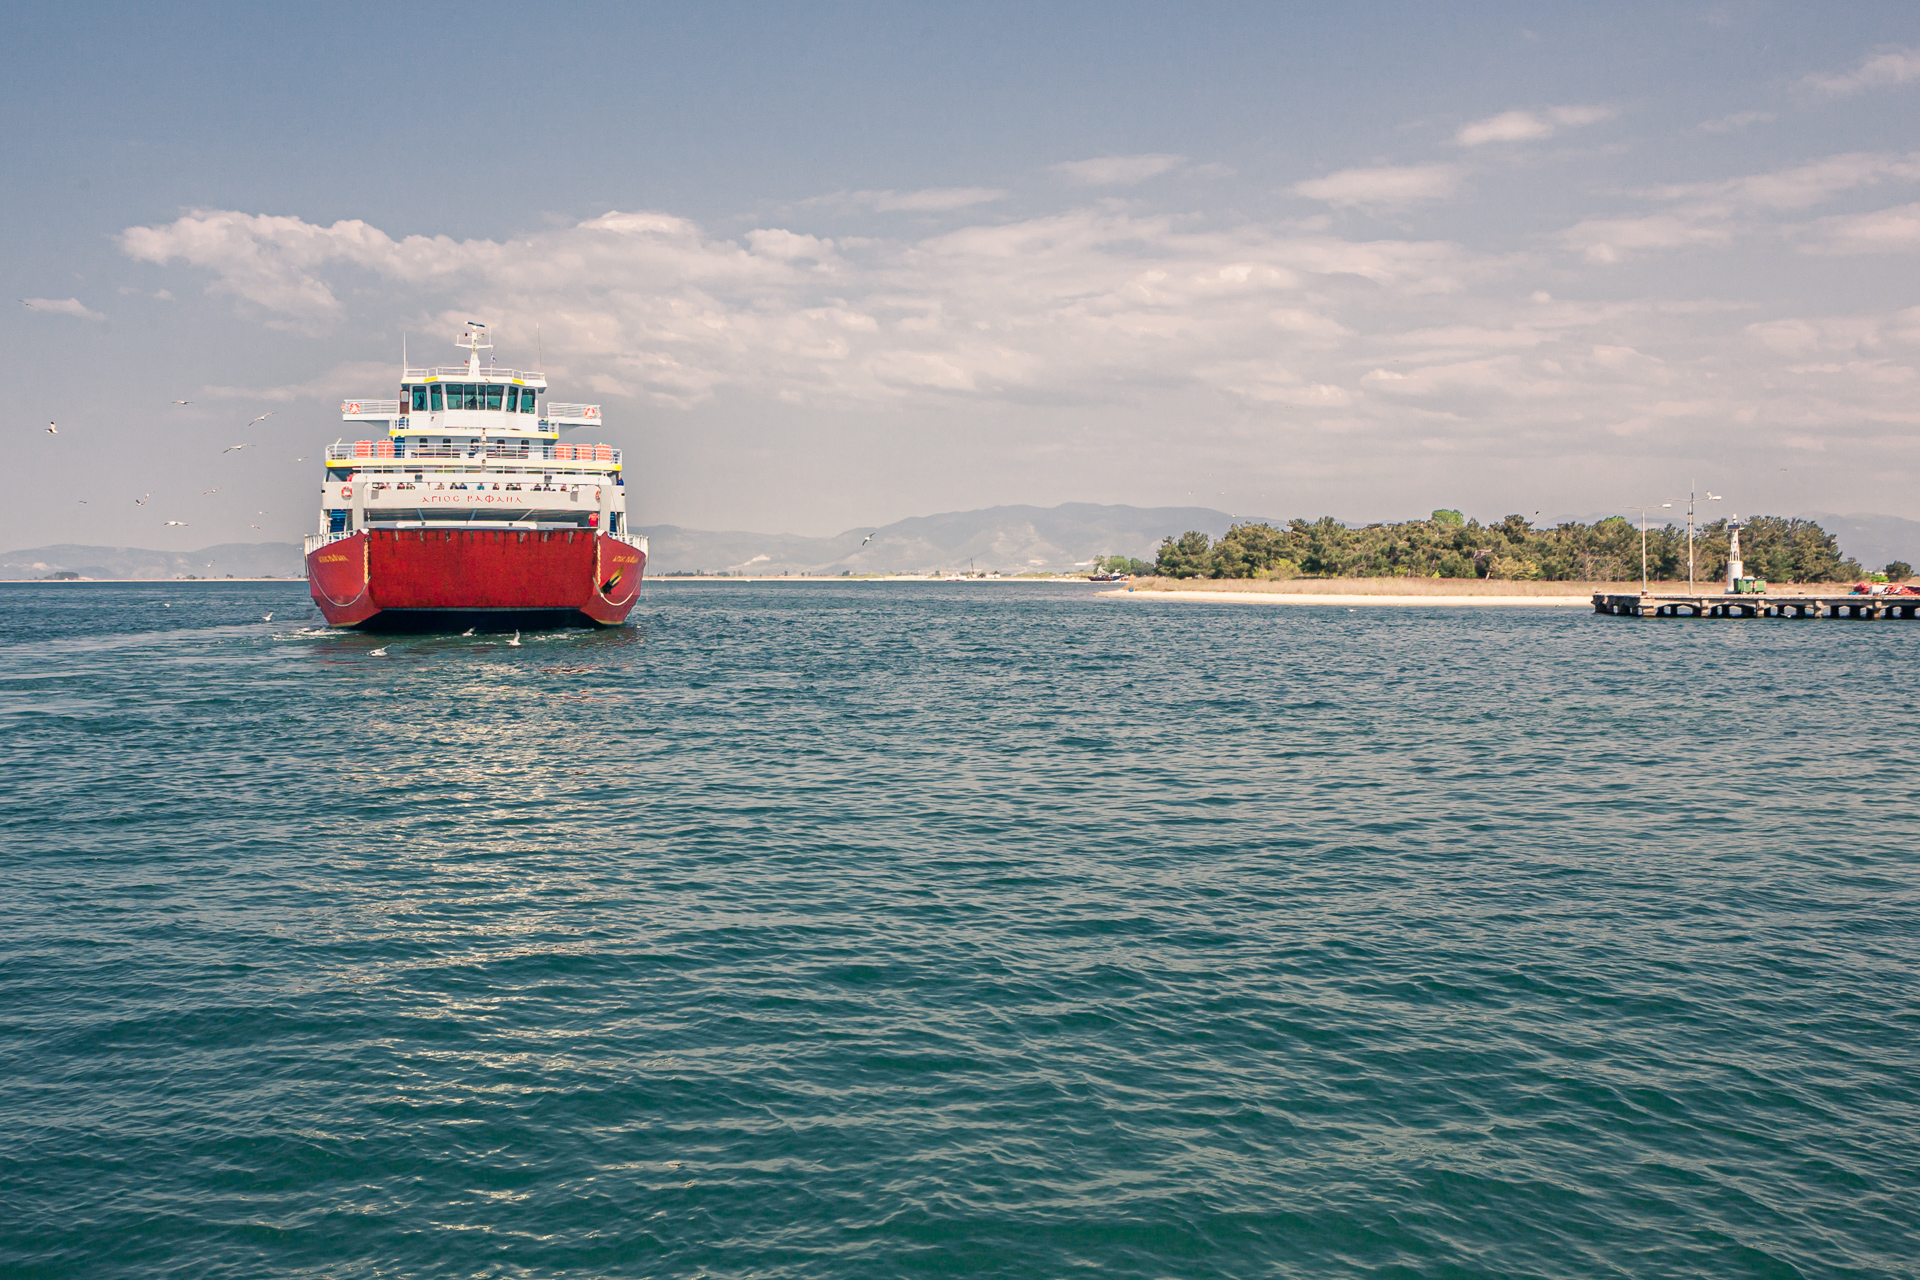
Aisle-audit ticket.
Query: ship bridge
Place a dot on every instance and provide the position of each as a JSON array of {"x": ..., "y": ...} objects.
[{"x": 469, "y": 399}]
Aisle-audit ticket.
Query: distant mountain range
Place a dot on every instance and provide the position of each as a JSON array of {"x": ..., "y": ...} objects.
[
  {"x": 1006, "y": 539},
  {"x": 229, "y": 559},
  {"x": 1872, "y": 540},
  {"x": 1015, "y": 539}
]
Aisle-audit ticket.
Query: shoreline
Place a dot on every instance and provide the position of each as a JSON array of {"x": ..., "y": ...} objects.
[
  {"x": 1416, "y": 592},
  {"x": 1330, "y": 599},
  {"x": 654, "y": 581},
  {"x": 178, "y": 582}
]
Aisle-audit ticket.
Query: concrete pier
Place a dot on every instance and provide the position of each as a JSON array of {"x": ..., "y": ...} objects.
[{"x": 1726, "y": 605}]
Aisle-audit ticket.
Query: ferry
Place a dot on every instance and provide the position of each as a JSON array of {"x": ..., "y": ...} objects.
[{"x": 471, "y": 512}]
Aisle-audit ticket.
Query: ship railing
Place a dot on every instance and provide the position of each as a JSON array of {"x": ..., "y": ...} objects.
[
  {"x": 573, "y": 413},
  {"x": 369, "y": 408},
  {"x": 315, "y": 541},
  {"x": 595, "y": 456},
  {"x": 460, "y": 372}
]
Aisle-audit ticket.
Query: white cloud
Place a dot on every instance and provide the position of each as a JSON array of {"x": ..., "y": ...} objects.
[
  {"x": 62, "y": 307},
  {"x": 1093, "y": 306},
  {"x": 1573, "y": 117},
  {"x": 1891, "y": 66},
  {"x": 1115, "y": 171},
  {"x": 1894, "y": 230},
  {"x": 1072, "y": 306},
  {"x": 262, "y": 259},
  {"x": 1738, "y": 120},
  {"x": 1608, "y": 240},
  {"x": 338, "y": 383},
  {"x": 1509, "y": 126},
  {"x": 1715, "y": 214},
  {"x": 1394, "y": 186},
  {"x": 1799, "y": 187},
  {"x": 927, "y": 200},
  {"x": 1529, "y": 126}
]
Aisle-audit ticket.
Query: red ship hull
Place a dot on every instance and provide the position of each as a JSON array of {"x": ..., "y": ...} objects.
[{"x": 502, "y": 577}]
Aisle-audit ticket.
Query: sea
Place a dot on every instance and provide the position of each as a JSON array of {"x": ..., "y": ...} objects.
[{"x": 954, "y": 929}]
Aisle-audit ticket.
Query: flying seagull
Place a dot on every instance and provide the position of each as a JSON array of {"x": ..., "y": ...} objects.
[
  {"x": 515, "y": 642},
  {"x": 269, "y": 617},
  {"x": 178, "y": 522},
  {"x": 467, "y": 632},
  {"x": 205, "y": 492},
  {"x": 83, "y": 502},
  {"x": 183, "y": 402},
  {"x": 253, "y": 526},
  {"x": 381, "y": 652},
  {"x": 141, "y": 501},
  {"x": 864, "y": 541},
  {"x": 53, "y": 428},
  {"x": 263, "y": 417},
  {"x": 230, "y": 448}
]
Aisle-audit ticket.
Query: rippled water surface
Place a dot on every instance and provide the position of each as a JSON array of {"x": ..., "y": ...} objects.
[{"x": 959, "y": 929}]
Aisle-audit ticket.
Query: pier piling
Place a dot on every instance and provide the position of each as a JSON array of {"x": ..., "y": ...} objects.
[{"x": 1851, "y": 607}]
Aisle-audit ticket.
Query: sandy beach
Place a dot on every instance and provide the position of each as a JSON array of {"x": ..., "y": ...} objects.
[{"x": 1407, "y": 592}]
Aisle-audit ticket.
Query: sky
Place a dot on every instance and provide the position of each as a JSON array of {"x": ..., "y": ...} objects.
[{"x": 835, "y": 265}]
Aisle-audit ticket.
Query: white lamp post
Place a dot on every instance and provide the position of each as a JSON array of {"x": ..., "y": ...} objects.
[
  {"x": 1711, "y": 497},
  {"x": 1643, "y": 540}
]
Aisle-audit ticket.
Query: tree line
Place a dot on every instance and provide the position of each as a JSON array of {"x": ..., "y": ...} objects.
[{"x": 1448, "y": 545}]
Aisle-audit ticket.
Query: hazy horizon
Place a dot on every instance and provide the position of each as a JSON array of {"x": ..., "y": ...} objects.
[
  {"x": 834, "y": 269},
  {"x": 1007, "y": 538}
]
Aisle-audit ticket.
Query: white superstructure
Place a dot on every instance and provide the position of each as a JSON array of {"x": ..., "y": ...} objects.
[{"x": 471, "y": 447}]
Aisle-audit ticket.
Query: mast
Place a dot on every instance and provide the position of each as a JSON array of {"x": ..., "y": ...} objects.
[{"x": 473, "y": 339}]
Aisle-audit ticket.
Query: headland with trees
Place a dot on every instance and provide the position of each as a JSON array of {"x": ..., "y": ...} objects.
[{"x": 1448, "y": 545}]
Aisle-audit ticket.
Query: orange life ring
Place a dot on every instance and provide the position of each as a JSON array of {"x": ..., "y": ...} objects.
[
  {"x": 353, "y": 406},
  {"x": 346, "y": 491}
]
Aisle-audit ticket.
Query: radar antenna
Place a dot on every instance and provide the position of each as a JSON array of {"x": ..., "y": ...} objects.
[{"x": 473, "y": 340}]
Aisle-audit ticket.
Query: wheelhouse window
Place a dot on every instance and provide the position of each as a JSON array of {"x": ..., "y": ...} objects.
[
  {"x": 474, "y": 397},
  {"x": 526, "y": 399},
  {"x": 434, "y": 391},
  {"x": 494, "y": 392},
  {"x": 513, "y": 399},
  {"x": 419, "y": 399}
]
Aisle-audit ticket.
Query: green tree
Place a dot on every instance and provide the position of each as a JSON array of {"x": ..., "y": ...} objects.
[
  {"x": 1898, "y": 571},
  {"x": 1249, "y": 550},
  {"x": 1777, "y": 548},
  {"x": 1185, "y": 557}
]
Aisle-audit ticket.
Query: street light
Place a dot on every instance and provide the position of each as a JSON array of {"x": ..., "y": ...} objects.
[
  {"x": 1711, "y": 497},
  {"x": 1643, "y": 539}
]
